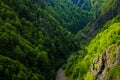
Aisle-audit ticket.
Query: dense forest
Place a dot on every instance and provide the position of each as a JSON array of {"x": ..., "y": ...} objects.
[
  {"x": 37, "y": 37},
  {"x": 99, "y": 54},
  {"x": 33, "y": 44}
]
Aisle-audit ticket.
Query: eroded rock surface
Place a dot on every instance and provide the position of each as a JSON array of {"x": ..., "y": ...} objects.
[{"x": 105, "y": 62}]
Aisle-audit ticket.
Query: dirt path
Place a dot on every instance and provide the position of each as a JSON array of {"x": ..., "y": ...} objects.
[{"x": 60, "y": 75}]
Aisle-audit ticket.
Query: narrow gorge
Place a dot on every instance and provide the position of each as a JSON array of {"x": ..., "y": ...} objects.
[{"x": 37, "y": 37}]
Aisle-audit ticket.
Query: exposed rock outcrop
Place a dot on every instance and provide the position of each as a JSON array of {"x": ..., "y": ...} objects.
[
  {"x": 96, "y": 25},
  {"x": 105, "y": 62}
]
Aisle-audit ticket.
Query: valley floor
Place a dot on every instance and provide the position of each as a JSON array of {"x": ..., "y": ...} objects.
[{"x": 60, "y": 75}]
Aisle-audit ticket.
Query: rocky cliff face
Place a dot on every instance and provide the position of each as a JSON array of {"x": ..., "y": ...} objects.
[
  {"x": 104, "y": 17},
  {"x": 101, "y": 56},
  {"x": 105, "y": 62},
  {"x": 96, "y": 25}
]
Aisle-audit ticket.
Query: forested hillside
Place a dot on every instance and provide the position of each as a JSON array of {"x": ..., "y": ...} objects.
[
  {"x": 69, "y": 15},
  {"x": 33, "y": 44},
  {"x": 99, "y": 55},
  {"x": 79, "y": 37}
]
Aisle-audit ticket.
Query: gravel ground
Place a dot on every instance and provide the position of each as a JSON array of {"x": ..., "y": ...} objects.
[{"x": 60, "y": 75}]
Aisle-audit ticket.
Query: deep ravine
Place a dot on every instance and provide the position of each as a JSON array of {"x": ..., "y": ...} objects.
[{"x": 60, "y": 75}]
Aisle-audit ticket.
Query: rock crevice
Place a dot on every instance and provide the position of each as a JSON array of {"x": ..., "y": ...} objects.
[{"x": 104, "y": 62}]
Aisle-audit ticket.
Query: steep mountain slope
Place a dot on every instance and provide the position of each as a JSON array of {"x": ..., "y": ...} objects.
[
  {"x": 69, "y": 15},
  {"x": 100, "y": 58},
  {"x": 31, "y": 41},
  {"x": 92, "y": 5},
  {"x": 84, "y": 4},
  {"x": 36, "y": 39},
  {"x": 94, "y": 26}
]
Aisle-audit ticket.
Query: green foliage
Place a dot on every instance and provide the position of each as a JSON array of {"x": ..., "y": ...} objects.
[
  {"x": 32, "y": 41},
  {"x": 89, "y": 77},
  {"x": 21, "y": 76},
  {"x": 114, "y": 73},
  {"x": 12, "y": 69},
  {"x": 94, "y": 6},
  {"x": 108, "y": 36},
  {"x": 69, "y": 15},
  {"x": 111, "y": 37}
]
